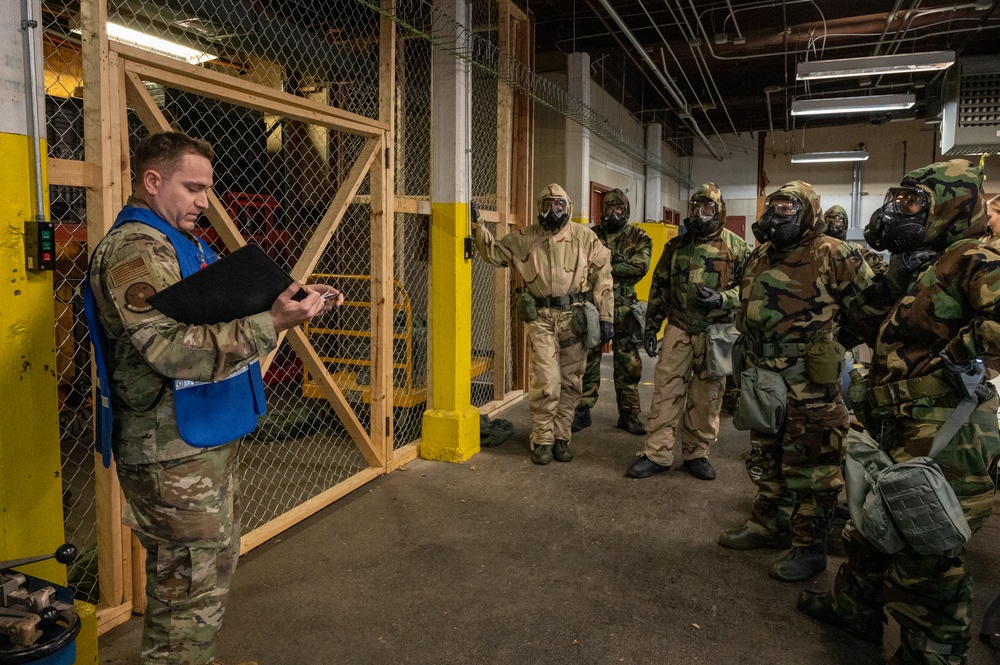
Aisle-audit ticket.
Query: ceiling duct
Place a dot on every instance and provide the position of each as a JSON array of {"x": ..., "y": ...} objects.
[{"x": 970, "y": 121}]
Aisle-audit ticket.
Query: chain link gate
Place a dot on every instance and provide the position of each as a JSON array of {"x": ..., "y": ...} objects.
[{"x": 296, "y": 106}]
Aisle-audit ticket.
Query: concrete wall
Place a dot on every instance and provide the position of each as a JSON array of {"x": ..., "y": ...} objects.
[
  {"x": 886, "y": 144},
  {"x": 608, "y": 165}
]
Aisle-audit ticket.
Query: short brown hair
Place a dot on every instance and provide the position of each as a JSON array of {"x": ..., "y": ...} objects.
[{"x": 162, "y": 152}]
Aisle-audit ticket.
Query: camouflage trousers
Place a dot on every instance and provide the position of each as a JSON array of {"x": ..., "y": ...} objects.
[
  {"x": 628, "y": 372},
  {"x": 182, "y": 512},
  {"x": 557, "y": 357},
  {"x": 685, "y": 398},
  {"x": 797, "y": 471},
  {"x": 929, "y": 596}
]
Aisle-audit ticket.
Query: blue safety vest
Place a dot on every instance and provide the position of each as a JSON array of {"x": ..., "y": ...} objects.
[{"x": 208, "y": 414}]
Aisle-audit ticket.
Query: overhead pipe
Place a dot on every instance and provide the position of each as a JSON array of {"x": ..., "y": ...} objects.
[
  {"x": 660, "y": 75},
  {"x": 710, "y": 78}
]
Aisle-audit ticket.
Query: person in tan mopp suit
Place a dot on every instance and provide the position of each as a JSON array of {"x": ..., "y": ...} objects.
[{"x": 562, "y": 265}]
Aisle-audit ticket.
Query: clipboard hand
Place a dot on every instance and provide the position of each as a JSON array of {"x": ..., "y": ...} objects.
[{"x": 287, "y": 312}]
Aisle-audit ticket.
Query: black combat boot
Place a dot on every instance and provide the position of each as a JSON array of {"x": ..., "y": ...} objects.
[
  {"x": 541, "y": 454},
  {"x": 631, "y": 424},
  {"x": 745, "y": 538},
  {"x": 800, "y": 563},
  {"x": 819, "y": 606},
  {"x": 700, "y": 468},
  {"x": 643, "y": 467},
  {"x": 561, "y": 451},
  {"x": 581, "y": 418}
]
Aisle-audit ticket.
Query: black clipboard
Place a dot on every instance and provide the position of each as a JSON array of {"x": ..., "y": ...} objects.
[{"x": 242, "y": 283}]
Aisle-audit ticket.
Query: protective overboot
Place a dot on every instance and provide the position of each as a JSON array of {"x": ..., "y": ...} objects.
[
  {"x": 819, "y": 606},
  {"x": 745, "y": 538},
  {"x": 581, "y": 418},
  {"x": 700, "y": 468},
  {"x": 644, "y": 467},
  {"x": 799, "y": 564},
  {"x": 631, "y": 424},
  {"x": 541, "y": 454},
  {"x": 561, "y": 451}
]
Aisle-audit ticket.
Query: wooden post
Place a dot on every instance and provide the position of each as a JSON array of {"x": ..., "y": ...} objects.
[
  {"x": 501, "y": 288},
  {"x": 522, "y": 197}
]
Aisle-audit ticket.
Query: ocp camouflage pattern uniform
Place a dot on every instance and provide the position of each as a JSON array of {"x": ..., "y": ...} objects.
[
  {"x": 180, "y": 498},
  {"x": 572, "y": 260},
  {"x": 631, "y": 250},
  {"x": 790, "y": 297},
  {"x": 871, "y": 257},
  {"x": 682, "y": 386},
  {"x": 952, "y": 305}
]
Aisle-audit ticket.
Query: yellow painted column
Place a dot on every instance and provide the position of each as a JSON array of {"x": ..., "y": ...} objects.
[
  {"x": 31, "y": 522},
  {"x": 451, "y": 423}
]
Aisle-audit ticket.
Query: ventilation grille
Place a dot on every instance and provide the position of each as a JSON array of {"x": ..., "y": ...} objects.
[
  {"x": 979, "y": 100},
  {"x": 970, "y": 119}
]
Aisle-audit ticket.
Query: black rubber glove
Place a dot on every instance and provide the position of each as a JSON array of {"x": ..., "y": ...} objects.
[
  {"x": 473, "y": 212},
  {"x": 902, "y": 267},
  {"x": 650, "y": 342},
  {"x": 709, "y": 298},
  {"x": 607, "y": 331}
]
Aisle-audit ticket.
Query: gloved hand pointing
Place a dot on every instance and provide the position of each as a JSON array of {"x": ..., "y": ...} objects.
[
  {"x": 709, "y": 298},
  {"x": 650, "y": 342},
  {"x": 607, "y": 331}
]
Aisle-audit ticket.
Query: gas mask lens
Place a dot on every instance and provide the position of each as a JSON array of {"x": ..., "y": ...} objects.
[
  {"x": 706, "y": 209},
  {"x": 554, "y": 205},
  {"x": 906, "y": 200},
  {"x": 614, "y": 210},
  {"x": 783, "y": 207},
  {"x": 835, "y": 220}
]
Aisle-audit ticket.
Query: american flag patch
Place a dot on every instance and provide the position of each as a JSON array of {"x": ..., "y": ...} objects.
[{"x": 128, "y": 271}]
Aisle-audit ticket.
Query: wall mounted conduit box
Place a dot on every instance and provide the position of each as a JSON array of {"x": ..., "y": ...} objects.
[{"x": 39, "y": 246}]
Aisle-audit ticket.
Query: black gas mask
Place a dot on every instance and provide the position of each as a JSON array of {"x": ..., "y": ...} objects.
[
  {"x": 552, "y": 214},
  {"x": 900, "y": 225},
  {"x": 836, "y": 225},
  {"x": 704, "y": 219},
  {"x": 614, "y": 214},
  {"x": 781, "y": 222}
]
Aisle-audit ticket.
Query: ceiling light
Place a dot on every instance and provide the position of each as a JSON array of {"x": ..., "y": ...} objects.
[
  {"x": 900, "y": 63},
  {"x": 123, "y": 35},
  {"x": 867, "y": 104},
  {"x": 846, "y": 156}
]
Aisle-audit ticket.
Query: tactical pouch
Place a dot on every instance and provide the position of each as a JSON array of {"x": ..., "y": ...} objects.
[
  {"x": 825, "y": 361},
  {"x": 857, "y": 393},
  {"x": 526, "y": 307},
  {"x": 719, "y": 341},
  {"x": 762, "y": 403},
  {"x": 636, "y": 321},
  {"x": 586, "y": 324},
  {"x": 895, "y": 504}
]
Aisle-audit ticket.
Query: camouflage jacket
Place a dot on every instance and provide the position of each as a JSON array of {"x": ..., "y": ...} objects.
[
  {"x": 571, "y": 260},
  {"x": 716, "y": 262},
  {"x": 871, "y": 257},
  {"x": 631, "y": 250},
  {"x": 147, "y": 349},
  {"x": 794, "y": 295}
]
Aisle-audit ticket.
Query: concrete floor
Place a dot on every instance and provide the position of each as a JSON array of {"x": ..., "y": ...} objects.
[{"x": 500, "y": 561}]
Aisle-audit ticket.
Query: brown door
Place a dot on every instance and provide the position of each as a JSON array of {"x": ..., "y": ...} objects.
[{"x": 737, "y": 224}]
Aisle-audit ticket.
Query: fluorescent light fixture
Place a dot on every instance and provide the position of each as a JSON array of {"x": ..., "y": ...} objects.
[
  {"x": 840, "y": 105},
  {"x": 900, "y": 63},
  {"x": 130, "y": 37},
  {"x": 846, "y": 156}
]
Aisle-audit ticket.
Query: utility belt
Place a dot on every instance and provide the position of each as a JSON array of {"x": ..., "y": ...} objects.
[
  {"x": 771, "y": 350},
  {"x": 564, "y": 303},
  {"x": 824, "y": 356},
  {"x": 907, "y": 390}
]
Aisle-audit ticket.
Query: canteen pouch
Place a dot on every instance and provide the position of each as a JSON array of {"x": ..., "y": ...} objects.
[
  {"x": 763, "y": 397},
  {"x": 589, "y": 320},
  {"x": 526, "y": 306},
  {"x": 825, "y": 361},
  {"x": 857, "y": 392},
  {"x": 719, "y": 341},
  {"x": 894, "y": 504}
]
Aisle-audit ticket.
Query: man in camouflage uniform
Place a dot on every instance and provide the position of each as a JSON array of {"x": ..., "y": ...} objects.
[
  {"x": 793, "y": 291},
  {"x": 631, "y": 250},
  {"x": 562, "y": 265},
  {"x": 695, "y": 285},
  {"x": 836, "y": 227},
  {"x": 180, "y": 497},
  {"x": 941, "y": 293}
]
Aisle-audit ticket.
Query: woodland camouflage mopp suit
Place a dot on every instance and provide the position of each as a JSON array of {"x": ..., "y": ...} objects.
[
  {"x": 836, "y": 227},
  {"x": 631, "y": 250},
  {"x": 562, "y": 264},
  {"x": 794, "y": 289},
  {"x": 940, "y": 294},
  {"x": 695, "y": 284}
]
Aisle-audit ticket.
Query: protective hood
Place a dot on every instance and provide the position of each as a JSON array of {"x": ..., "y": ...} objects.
[
  {"x": 809, "y": 221},
  {"x": 615, "y": 197},
  {"x": 556, "y": 192},
  {"x": 831, "y": 231},
  {"x": 711, "y": 192},
  {"x": 958, "y": 207}
]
